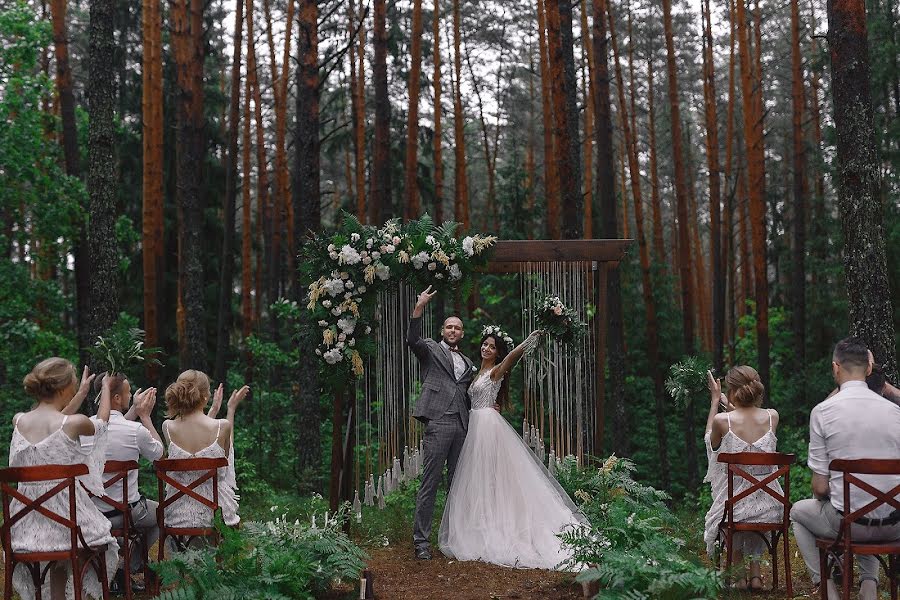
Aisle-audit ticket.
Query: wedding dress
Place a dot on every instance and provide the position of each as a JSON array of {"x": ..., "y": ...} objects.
[{"x": 504, "y": 507}]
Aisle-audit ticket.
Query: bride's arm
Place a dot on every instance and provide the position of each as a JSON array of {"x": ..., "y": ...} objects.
[{"x": 498, "y": 372}]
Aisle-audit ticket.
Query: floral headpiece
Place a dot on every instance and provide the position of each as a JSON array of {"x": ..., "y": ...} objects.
[{"x": 494, "y": 330}]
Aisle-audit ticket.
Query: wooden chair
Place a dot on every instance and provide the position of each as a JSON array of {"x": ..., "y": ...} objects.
[
  {"x": 843, "y": 548},
  {"x": 80, "y": 555},
  {"x": 131, "y": 535},
  {"x": 206, "y": 469},
  {"x": 770, "y": 533}
]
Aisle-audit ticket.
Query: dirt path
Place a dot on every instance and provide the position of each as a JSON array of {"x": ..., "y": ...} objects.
[{"x": 398, "y": 575}]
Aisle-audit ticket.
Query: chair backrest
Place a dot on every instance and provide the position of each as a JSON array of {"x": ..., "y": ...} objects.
[
  {"x": 206, "y": 469},
  {"x": 64, "y": 475},
  {"x": 119, "y": 469},
  {"x": 867, "y": 466},
  {"x": 737, "y": 460}
]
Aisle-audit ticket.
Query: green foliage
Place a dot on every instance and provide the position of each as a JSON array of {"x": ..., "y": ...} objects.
[
  {"x": 631, "y": 543},
  {"x": 561, "y": 322},
  {"x": 687, "y": 379},
  {"x": 121, "y": 348},
  {"x": 266, "y": 561}
]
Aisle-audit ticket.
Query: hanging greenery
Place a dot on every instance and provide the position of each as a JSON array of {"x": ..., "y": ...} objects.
[
  {"x": 345, "y": 270},
  {"x": 559, "y": 321}
]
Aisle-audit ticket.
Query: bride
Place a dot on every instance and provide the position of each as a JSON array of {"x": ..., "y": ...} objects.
[{"x": 503, "y": 507}]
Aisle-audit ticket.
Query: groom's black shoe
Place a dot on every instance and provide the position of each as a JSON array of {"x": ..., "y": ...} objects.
[{"x": 423, "y": 553}]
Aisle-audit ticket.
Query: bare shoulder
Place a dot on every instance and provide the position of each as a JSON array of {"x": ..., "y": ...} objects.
[
  {"x": 774, "y": 415},
  {"x": 78, "y": 424},
  {"x": 720, "y": 422},
  {"x": 16, "y": 417}
]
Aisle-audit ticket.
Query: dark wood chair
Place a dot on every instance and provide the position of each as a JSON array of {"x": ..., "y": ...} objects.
[
  {"x": 206, "y": 470},
  {"x": 770, "y": 533},
  {"x": 131, "y": 535},
  {"x": 80, "y": 554},
  {"x": 842, "y": 549}
]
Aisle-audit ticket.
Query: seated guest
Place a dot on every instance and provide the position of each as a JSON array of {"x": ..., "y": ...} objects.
[
  {"x": 743, "y": 427},
  {"x": 192, "y": 434},
  {"x": 47, "y": 436},
  {"x": 854, "y": 423},
  {"x": 879, "y": 384},
  {"x": 130, "y": 440}
]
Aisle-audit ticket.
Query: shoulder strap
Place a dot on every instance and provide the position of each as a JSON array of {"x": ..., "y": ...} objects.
[
  {"x": 219, "y": 428},
  {"x": 728, "y": 416},
  {"x": 63, "y": 424},
  {"x": 769, "y": 411}
]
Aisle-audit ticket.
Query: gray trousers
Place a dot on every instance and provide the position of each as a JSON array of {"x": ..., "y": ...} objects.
[
  {"x": 443, "y": 441},
  {"x": 143, "y": 515},
  {"x": 814, "y": 518}
]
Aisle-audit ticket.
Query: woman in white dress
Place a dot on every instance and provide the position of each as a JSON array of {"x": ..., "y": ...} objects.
[
  {"x": 45, "y": 436},
  {"x": 190, "y": 433},
  {"x": 743, "y": 427},
  {"x": 504, "y": 507}
]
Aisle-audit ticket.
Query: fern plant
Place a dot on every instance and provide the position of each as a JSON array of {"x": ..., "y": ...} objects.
[
  {"x": 687, "y": 379},
  {"x": 122, "y": 346}
]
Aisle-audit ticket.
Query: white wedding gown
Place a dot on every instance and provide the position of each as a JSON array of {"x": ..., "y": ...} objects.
[{"x": 504, "y": 507}]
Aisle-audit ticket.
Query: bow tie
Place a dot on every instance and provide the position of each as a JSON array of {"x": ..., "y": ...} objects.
[{"x": 453, "y": 348}]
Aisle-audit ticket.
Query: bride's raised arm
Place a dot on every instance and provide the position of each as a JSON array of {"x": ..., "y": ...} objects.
[{"x": 498, "y": 372}]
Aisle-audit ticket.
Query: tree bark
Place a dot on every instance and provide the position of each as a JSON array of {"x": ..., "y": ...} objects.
[
  {"x": 565, "y": 112},
  {"x": 551, "y": 177},
  {"x": 358, "y": 106},
  {"x": 658, "y": 241},
  {"x": 588, "y": 149},
  {"x": 798, "y": 272},
  {"x": 728, "y": 250},
  {"x": 380, "y": 175},
  {"x": 105, "y": 279},
  {"x": 461, "y": 191},
  {"x": 246, "y": 175},
  {"x": 438, "y": 109},
  {"x": 411, "y": 187},
  {"x": 188, "y": 49},
  {"x": 226, "y": 273},
  {"x": 751, "y": 80},
  {"x": 263, "y": 201},
  {"x": 868, "y": 288}
]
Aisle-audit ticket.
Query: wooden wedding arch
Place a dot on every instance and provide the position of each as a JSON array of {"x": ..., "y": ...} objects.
[{"x": 597, "y": 257}]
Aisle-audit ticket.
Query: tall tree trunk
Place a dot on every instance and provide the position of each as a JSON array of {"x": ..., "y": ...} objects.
[
  {"x": 798, "y": 271},
  {"x": 411, "y": 187},
  {"x": 730, "y": 189},
  {"x": 263, "y": 201},
  {"x": 588, "y": 149},
  {"x": 565, "y": 112},
  {"x": 551, "y": 177},
  {"x": 226, "y": 273},
  {"x": 859, "y": 179},
  {"x": 751, "y": 81},
  {"x": 461, "y": 191},
  {"x": 105, "y": 279},
  {"x": 658, "y": 241},
  {"x": 73, "y": 168},
  {"x": 380, "y": 175},
  {"x": 684, "y": 244},
  {"x": 606, "y": 188},
  {"x": 246, "y": 202},
  {"x": 307, "y": 217},
  {"x": 715, "y": 197},
  {"x": 357, "y": 57},
  {"x": 438, "y": 110},
  {"x": 188, "y": 48}
]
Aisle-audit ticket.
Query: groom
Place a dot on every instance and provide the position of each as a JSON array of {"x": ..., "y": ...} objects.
[{"x": 443, "y": 407}]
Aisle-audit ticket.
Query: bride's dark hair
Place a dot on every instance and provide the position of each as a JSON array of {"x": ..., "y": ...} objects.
[{"x": 502, "y": 351}]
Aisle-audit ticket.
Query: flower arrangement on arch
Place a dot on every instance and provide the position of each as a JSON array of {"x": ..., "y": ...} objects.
[
  {"x": 560, "y": 322},
  {"x": 344, "y": 271}
]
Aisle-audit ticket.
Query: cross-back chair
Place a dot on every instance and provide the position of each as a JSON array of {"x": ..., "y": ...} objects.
[
  {"x": 79, "y": 554},
  {"x": 770, "y": 533},
  {"x": 842, "y": 549}
]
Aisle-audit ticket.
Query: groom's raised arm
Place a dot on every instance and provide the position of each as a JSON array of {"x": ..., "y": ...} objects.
[{"x": 414, "y": 332}]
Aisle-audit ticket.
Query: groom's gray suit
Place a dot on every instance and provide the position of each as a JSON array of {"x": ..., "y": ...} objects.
[{"x": 443, "y": 407}]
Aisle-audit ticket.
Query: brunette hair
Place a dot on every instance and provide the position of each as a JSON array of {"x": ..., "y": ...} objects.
[
  {"x": 189, "y": 392},
  {"x": 117, "y": 379},
  {"x": 502, "y": 351},
  {"x": 49, "y": 377},
  {"x": 745, "y": 387},
  {"x": 851, "y": 353}
]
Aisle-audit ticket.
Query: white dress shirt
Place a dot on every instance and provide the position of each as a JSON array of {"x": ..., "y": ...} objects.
[
  {"x": 855, "y": 423},
  {"x": 126, "y": 440},
  {"x": 459, "y": 365}
]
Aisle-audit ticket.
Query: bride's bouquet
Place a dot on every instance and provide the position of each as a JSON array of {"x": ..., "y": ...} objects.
[{"x": 559, "y": 321}]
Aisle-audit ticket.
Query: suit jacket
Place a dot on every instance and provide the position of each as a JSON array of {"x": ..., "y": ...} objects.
[{"x": 440, "y": 388}]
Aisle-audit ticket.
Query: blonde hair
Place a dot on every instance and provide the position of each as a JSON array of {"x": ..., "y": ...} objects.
[
  {"x": 745, "y": 387},
  {"x": 189, "y": 392},
  {"x": 49, "y": 377}
]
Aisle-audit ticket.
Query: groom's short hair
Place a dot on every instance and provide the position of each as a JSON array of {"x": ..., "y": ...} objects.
[
  {"x": 453, "y": 317},
  {"x": 852, "y": 353}
]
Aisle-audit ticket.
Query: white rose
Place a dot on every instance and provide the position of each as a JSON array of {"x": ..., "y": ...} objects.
[
  {"x": 390, "y": 248},
  {"x": 336, "y": 311},
  {"x": 369, "y": 243},
  {"x": 351, "y": 342},
  {"x": 323, "y": 323},
  {"x": 367, "y": 261},
  {"x": 349, "y": 255},
  {"x": 339, "y": 345},
  {"x": 326, "y": 303},
  {"x": 382, "y": 271},
  {"x": 348, "y": 285},
  {"x": 342, "y": 337},
  {"x": 432, "y": 266},
  {"x": 430, "y": 240},
  {"x": 376, "y": 255},
  {"x": 361, "y": 289},
  {"x": 331, "y": 247},
  {"x": 468, "y": 245},
  {"x": 455, "y": 272},
  {"x": 368, "y": 330},
  {"x": 346, "y": 325},
  {"x": 333, "y": 255},
  {"x": 354, "y": 237},
  {"x": 348, "y": 295},
  {"x": 396, "y": 240}
]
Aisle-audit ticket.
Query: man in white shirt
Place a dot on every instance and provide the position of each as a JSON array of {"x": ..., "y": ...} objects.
[
  {"x": 130, "y": 440},
  {"x": 854, "y": 423}
]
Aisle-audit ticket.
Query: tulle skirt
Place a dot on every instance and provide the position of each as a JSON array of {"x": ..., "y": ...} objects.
[{"x": 504, "y": 507}]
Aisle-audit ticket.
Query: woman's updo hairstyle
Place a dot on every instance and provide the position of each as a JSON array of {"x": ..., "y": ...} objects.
[
  {"x": 49, "y": 377},
  {"x": 744, "y": 387},
  {"x": 189, "y": 392}
]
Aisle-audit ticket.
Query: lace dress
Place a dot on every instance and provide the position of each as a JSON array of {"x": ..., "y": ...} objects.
[
  {"x": 504, "y": 507},
  {"x": 759, "y": 507},
  {"x": 36, "y": 533},
  {"x": 187, "y": 512}
]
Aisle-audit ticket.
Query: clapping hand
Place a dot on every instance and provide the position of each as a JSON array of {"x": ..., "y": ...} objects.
[
  {"x": 237, "y": 396},
  {"x": 216, "y": 403},
  {"x": 715, "y": 391},
  {"x": 86, "y": 379},
  {"x": 145, "y": 402}
]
